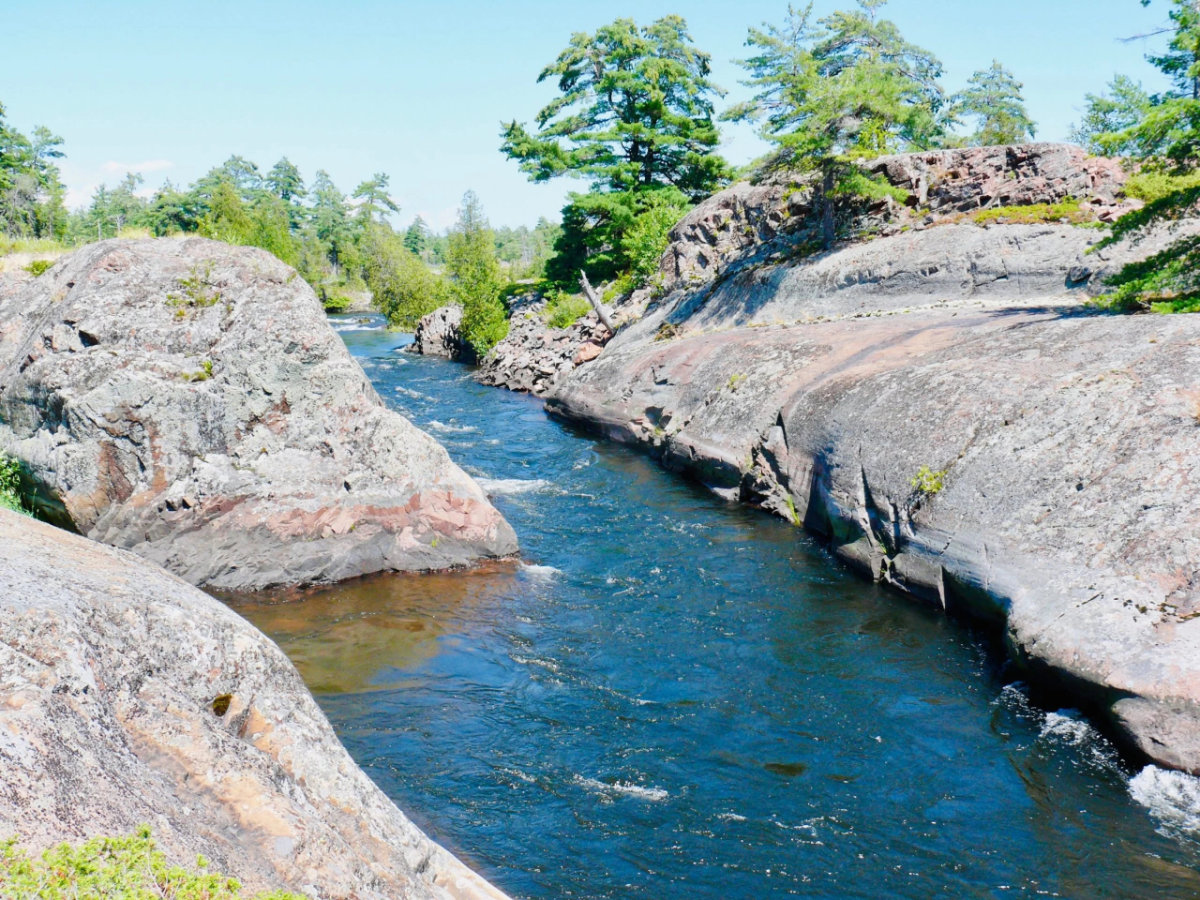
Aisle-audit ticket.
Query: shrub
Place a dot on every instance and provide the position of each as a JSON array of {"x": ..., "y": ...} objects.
[
  {"x": 39, "y": 267},
  {"x": 10, "y": 484},
  {"x": 927, "y": 482},
  {"x": 1036, "y": 214},
  {"x": 336, "y": 303},
  {"x": 128, "y": 867},
  {"x": 564, "y": 309}
]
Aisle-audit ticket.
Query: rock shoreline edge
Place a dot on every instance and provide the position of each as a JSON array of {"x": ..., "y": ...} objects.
[
  {"x": 1059, "y": 444},
  {"x": 112, "y": 670}
]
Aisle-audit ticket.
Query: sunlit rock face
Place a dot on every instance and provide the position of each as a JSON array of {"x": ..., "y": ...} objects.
[{"x": 188, "y": 401}]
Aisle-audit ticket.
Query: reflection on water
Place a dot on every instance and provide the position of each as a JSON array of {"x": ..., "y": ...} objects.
[
  {"x": 675, "y": 698},
  {"x": 365, "y": 634}
]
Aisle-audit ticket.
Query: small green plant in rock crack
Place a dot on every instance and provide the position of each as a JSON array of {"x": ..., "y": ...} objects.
[
  {"x": 736, "y": 381},
  {"x": 197, "y": 291},
  {"x": 205, "y": 373},
  {"x": 927, "y": 482}
]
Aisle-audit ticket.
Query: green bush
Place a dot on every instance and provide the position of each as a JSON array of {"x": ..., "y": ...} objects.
[
  {"x": 1151, "y": 185},
  {"x": 336, "y": 303},
  {"x": 39, "y": 267},
  {"x": 564, "y": 309},
  {"x": 927, "y": 482},
  {"x": 1036, "y": 214},
  {"x": 131, "y": 868},
  {"x": 10, "y": 485}
]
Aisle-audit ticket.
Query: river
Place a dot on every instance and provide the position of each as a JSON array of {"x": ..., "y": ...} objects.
[{"x": 673, "y": 697}]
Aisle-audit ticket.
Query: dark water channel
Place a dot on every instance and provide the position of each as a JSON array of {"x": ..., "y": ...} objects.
[{"x": 678, "y": 698}]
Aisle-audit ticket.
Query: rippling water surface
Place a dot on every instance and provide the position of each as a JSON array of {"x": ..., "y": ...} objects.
[{"x": 677, "y": 698}]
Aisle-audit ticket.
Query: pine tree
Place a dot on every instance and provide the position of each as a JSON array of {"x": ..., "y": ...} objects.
[
  {"x": 846, "y": 87},
  {"x": 993, "y": 98},
  {"x": 1168, "y": 139},
  {"x": 635, "y": 112},
  {"x": 1110, "y": 114},
  {"x": 472, "y": 265}
]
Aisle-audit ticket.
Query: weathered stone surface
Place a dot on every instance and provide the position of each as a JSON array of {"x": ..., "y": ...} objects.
[
  {"x": 109, "y": 669},
  {"x": 188, "y": 401},
  {"x": 819, "y": 387},
  {"x": 534, "y": 357},
  {"x": 439, "y": 334},
  {"x": 773, "y": 219}
]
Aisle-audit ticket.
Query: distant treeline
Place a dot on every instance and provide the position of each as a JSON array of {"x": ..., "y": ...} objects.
[{"x": 636, "y": 118}]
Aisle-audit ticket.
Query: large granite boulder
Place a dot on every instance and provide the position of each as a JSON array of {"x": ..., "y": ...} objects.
[
  {"x": 440, "y": 334},
  {"x": 187, "y": 400},
  {"x": 130, "y": 697},
  {"x": 944, "y": 407}
]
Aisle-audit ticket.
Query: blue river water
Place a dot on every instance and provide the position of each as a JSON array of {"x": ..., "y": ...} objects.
[{"x": 673, "y": 697}]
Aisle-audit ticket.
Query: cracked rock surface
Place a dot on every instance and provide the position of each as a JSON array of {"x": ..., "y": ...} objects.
[
  {"x": 131, "y": 697},
  {"x": 187, "y": 400},
  {"x": 1067, "y": 442}
]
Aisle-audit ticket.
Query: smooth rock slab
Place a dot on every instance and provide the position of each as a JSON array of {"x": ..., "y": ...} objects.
[
  {"x": 109, "y": 668},
  {"x": 188, "y": 401}
]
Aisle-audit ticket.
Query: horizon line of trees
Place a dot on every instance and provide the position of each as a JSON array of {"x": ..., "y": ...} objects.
[{"x": 636, "y": 118}]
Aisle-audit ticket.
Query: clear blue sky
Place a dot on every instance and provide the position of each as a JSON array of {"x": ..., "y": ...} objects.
[{"x": 418, "y": 89}]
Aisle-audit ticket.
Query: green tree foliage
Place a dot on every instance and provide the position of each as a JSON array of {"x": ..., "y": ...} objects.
[
  {"x": 635, "y": 111},
  {"x": 845, "y": 87},
  {"x": 375, "y": 202},
  {"x": 603, "y": 234},
  {"x": 1167, "y": 138},
  {"x": 31, "y": 192},
  {"x": 993, "y": 99},
  {"x": 416, "y": 237},
  {"x": 129, "y": 867},
  {"x": 404, "y": 288},
  {"x": 1109, "y": 117},
  {"x": 475, "y": 274},
  {"x": 524, "y": 251}
]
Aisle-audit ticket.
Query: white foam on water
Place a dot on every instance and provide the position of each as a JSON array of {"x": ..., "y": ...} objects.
[
  {"x": 1068, "y": 727},
  {"x": 442, "y": 427},
  {"x": 1173, "y": 798},
  {"x": 540, "y": 571},
  {"x": 731, "y": 817},
  {"x": 508, "y": 486},
  {"x": 409, "y": 392},
  {"x": 548, "y": 664},
  {"x": 355, "y": 326},
  {"x": 622, "y": 788}
]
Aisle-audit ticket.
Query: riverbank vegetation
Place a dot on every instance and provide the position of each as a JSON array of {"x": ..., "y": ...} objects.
[
  {"x": 636, "y": 120},
  {"x": 131, "y": 867}
]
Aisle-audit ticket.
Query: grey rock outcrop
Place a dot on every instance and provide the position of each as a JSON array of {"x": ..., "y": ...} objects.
[
  {"x": 131, "y": 697},
  {"x": 440, "y": 334},
  {"x": 820, "y": 386},
  {"x": 774, "y": 221},
  {"x": 534, "y": 357},
  {"x": 188, "y": 401}
]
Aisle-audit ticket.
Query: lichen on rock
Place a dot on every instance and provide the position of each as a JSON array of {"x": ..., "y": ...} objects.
[{"x": 187, "y": 400}]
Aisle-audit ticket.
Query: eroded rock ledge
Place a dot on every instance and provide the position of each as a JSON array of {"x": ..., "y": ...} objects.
[
  {"x": 187, "y": 400},
  {"x": 131, "y": 697},
  {"x": 1067, "y": 442}
]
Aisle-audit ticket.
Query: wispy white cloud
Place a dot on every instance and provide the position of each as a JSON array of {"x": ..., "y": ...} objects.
[{"x": 150, "y": 165}]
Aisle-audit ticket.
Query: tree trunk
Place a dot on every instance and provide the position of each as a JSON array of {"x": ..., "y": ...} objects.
[
  {"x": 588, "y": 292},
  {"x": 828, "y": 220}
]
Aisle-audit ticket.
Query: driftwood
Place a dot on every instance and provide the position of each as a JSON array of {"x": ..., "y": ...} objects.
[{"x": 590, "y": 293}]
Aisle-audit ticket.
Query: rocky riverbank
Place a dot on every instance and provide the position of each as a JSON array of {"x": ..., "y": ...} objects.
[
  {"x": 188, "y": 401},
  {"x": 130, "y": 697},
  {"x": 942, "y": 406}
]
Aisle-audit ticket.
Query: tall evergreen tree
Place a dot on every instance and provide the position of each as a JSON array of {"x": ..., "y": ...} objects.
[
  {"x": 376, "y": 202},
  {"x": 994, "y": 100},
  {"x": 475, "y": 272},
  {"x": 635, "y": 111},
  {"x": 1168, "y": 138},
  {"x": 845, "y": 87},
  {"x": 1110, "y": 115}
]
